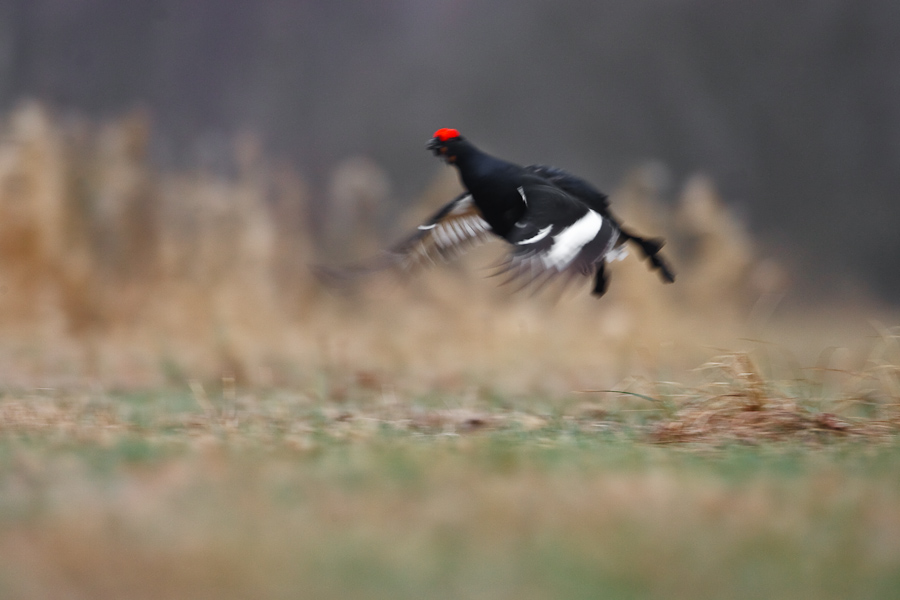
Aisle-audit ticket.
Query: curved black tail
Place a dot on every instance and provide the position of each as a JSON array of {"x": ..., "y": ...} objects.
[{"x": 650, "y": 248}]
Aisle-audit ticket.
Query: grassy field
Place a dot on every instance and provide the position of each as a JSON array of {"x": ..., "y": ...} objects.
[
  {"x": 281, "y": 494},
  {"x": 187, "y": 412}
]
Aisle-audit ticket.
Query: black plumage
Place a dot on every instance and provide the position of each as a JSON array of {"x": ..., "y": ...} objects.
[{"x": 557, "y": 224}]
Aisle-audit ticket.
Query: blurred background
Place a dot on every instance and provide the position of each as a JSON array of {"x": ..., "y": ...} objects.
[{"x": 169, "y": 170}]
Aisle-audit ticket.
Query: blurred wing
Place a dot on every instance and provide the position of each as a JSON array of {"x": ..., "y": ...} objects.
[
  {"x": 599, "y": 202},
  {"x": 451, "y": 231},
  {"x": 543, "y": 252}
]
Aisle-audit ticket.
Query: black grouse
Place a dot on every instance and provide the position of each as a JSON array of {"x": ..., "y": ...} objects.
[{"x": 557, "y": 223}]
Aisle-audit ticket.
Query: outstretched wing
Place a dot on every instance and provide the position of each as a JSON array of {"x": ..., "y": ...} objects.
[
  {"x": 452, "y": 230},
  {"x": 449, "y": 232}
]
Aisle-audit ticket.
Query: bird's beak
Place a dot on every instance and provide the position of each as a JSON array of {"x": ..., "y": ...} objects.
[{"x": 439, "y": 149}]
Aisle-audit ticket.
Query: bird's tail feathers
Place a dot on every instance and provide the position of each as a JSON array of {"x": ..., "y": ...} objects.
[{"x": 650, "y": 248}]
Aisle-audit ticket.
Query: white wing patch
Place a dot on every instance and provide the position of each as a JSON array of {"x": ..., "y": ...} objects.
[
  {"x": 538, "y": 237},
  {"x": 522, "y": 193},
  {"x": 569, "y": 242}
]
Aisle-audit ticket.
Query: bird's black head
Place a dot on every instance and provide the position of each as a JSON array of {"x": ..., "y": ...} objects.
[{"x": 446, "y": 144}]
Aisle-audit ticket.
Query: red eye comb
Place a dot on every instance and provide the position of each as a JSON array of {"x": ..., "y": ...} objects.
[{"x": 446, "y": 134}]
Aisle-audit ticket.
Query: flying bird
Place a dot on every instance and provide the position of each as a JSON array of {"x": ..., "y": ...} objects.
[{"x": 558, "y": 226}]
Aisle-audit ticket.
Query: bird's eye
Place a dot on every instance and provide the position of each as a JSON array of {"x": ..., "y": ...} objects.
[{"x": 444, "y": 150}]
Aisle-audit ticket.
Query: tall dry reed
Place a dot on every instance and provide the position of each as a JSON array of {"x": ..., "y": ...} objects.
[{"x": 114, "y": 270}]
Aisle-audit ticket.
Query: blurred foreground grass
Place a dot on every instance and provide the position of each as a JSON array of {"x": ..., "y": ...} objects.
[{"x": 287, "y": 494}]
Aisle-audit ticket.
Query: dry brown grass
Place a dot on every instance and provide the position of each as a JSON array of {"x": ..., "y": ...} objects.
[
  {"x": 113, "y": 271},
  {"x": 288, "y": 496},
  {"x": 737, "y": 404},
  {"x": 733, "y": 403}
]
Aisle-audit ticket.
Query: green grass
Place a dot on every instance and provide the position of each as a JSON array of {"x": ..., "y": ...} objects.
[{"x": 284, "y": 496}]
